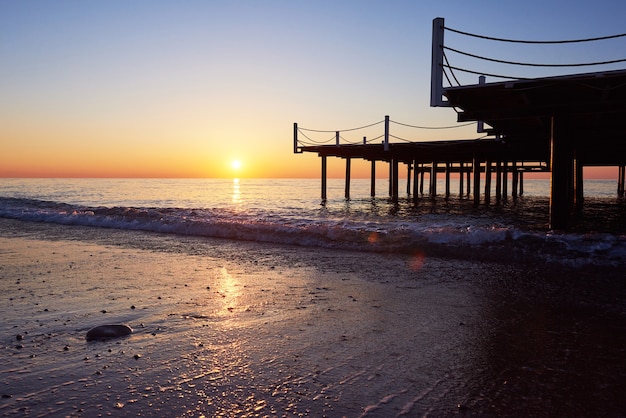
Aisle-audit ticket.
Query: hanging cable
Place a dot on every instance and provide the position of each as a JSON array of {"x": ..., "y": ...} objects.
[
  {"x": 488, "y": 74},
  {"x": 528, "y": 64},
  {"x": 342, "y": 130},
  {"x": 448, "y": 65},
  {"x": 490, "y": 38}
]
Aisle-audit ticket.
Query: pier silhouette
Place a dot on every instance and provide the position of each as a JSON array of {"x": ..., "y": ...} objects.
[{"x": 557, "y": 123}]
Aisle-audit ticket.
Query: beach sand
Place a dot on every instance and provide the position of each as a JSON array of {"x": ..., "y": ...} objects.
[{"x": 227, "y": 328}]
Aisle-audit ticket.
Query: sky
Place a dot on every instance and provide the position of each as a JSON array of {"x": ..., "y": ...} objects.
[{"x": 184, "y": 88}]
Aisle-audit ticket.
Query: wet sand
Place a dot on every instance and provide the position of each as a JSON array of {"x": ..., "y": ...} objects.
[{"x": 226, "y": 328}]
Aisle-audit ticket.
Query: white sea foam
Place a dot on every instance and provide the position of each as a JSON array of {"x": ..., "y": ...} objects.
[{"x": 282, "y": 212}]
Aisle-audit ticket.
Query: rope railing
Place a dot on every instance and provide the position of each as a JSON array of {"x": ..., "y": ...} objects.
[{"x": 339, "y": 139}]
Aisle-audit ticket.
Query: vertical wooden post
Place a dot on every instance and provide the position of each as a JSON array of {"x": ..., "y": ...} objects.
[
  {"x": 488, "y": 182},
  {"x": 560, "y": 177},
  {"x": 578, "y": 184},
  {"x": 373, "y": 179},
  {"x": 469, "y": 183},
  {"x": 386, "y": 140},
  {"x": 324, "y": 165},
  {"x": 476, "y": 170},
  {"x": 395, "y": 194},
  {"x": 505, "y": 179},
  {"x": 391, "y": 177},
  {"x": 621, "y": 177},
  {"x": 436, "y": 68},
  {"x": 433, "y": 180},
  {"x": 296, "y": 150},
  {"x": 514, "y": 179},
  {"x": 348, "y": 161},
  {"x": 415, "y": 181},
  {"x": 461, "y": 188},
  {"x": 447, "y": 179},
  {"x": 521, "y": 183},
  {"x": 422, "y": 179},
  {"x": 408, "y": 179},
  {"x": 498, "y": 181},
  {"x": 337, "y": 138}
]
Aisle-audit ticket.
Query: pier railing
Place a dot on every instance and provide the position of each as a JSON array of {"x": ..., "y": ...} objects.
[
  {"x": 378, "y": 131},
  {"x": 449, "y": 62}
]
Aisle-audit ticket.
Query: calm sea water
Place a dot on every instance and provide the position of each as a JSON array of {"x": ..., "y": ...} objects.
[{"x": 290, "y": 211}]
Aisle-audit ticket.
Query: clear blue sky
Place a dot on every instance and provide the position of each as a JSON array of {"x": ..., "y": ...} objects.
[{"x": 181, "y": 88}]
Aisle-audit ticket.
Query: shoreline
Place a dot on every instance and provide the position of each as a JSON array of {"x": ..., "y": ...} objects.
[{"x": 223, "y": 326}]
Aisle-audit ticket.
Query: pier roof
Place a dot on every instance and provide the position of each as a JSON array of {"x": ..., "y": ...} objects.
[{"x": 592, "y": 106}]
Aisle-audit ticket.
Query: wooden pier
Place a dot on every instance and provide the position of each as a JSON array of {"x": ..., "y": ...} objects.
[{"x": 557, "y": 124}]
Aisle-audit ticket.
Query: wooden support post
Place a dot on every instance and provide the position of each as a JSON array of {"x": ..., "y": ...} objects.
[
  {"x": 514, "y": 179},
  {"x": 469, "y": 183},
  {"x": 498, "y": 181},
  {"x": 461, "y": 188},
  {"x": 487, "y": 182},
  {"x": 505, "y": 179},
  {"x": 348, "y": 161},
  {"x": 476, "y": 170},
  {"x": 386, "y": 137},
  {"x": 447, "y": 179},
  {"x": 422, "y": 179},
  {"x": 560, "y": 177},
  {"x": 296, "y": 150},
  {"x": 578, "y": 184},
  {"x": 394, "y": 180},
  {"x": 621, "y": 177},
  {"x": 415, "y": 181},
  {"x": 324, "y": 165},
  {"x": 521, "y": 183},
  {"x": 433, "y": 180},
  {"x": 408, "y": 179},
  {"x": 373, "y": 179}
]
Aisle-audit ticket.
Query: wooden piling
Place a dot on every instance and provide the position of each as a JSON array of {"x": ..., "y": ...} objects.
[
  {"x": 621, "y": 177},
  {"x": 461, "y": 188},
  {"x": 373, "y": 178},
  {"x": 498, "y": 181},
  {"x": 476, "y": 170},
  {"x": 514, "y": 179},
  {"x": 395, "y": 194},
  {"x": 505, "y": 179},
  {"x": 347, "y": 189},
  {"x": 487, "y": 181},
  {"x": 560, "y": 177},
  {"x": 447, "y": 179},
  {"x": 433, "y": 180},
  {"x": 324, "y": 165}
]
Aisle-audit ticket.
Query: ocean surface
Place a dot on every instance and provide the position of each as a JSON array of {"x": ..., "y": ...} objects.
[{"x": 290, "y": 211}]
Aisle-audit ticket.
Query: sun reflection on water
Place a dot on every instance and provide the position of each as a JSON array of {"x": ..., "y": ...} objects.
[{"x": 236, "y": 191}]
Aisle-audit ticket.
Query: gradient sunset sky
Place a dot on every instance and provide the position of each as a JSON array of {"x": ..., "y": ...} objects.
[{"x": 184, "y": 88}]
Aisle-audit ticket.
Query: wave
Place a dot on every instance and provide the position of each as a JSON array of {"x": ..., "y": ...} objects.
[{"x": 441, "y": 236}]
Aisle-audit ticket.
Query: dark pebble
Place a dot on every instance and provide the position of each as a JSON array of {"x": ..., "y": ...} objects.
[{"x": 6, "y": 396}]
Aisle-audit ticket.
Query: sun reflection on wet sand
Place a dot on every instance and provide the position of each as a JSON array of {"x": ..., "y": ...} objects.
[{"x": 228, "y": 289}]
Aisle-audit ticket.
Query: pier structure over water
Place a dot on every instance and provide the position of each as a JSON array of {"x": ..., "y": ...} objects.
[{"x": 557, "y": 123}]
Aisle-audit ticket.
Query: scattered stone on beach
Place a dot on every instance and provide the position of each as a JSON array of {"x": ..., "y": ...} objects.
[{"x": 108, "y": 331}]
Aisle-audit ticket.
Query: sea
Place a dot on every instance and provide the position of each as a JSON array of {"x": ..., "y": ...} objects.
[{"x": 291, "y": 211}]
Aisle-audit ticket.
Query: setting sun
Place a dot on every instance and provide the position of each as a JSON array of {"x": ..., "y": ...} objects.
[{"x": 236, "y": 164}]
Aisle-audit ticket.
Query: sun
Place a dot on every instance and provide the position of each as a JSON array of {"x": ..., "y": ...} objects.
[{"x": 235, "y": 164}]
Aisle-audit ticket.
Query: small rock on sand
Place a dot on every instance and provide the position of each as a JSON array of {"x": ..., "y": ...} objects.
[{"x": 108, "y": 331}]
